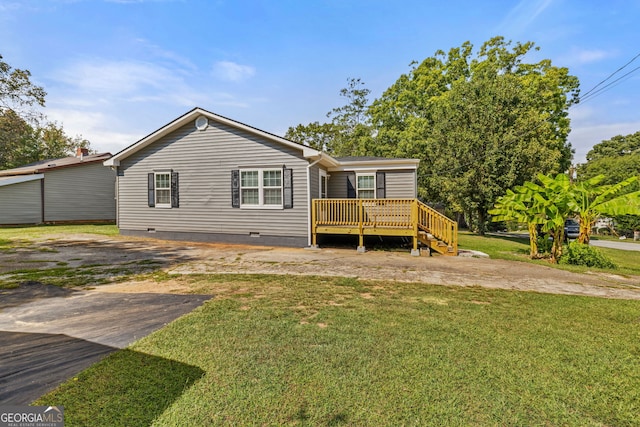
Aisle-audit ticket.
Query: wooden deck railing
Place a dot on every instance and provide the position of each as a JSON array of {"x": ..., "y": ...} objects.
[{"x": 389, "y": 217}]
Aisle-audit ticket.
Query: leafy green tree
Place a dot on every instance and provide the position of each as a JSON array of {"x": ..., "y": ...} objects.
[
  {"x": 17, "y": 139},
  {"x": 522, "y": 206},
  {"x": 349, "y": 133},
  {"x": 480, "y": 124},
  {"x": 553, "y": 200},
  {"x": 617, "y": 159},
  {"x": 590, "y": 200},
  {"x": 316, "y": 135},
  {"x": 17, "y": 92},
  {"x": 23, "y": 137}
]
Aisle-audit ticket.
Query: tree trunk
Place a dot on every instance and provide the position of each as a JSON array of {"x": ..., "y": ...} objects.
[
  {"x": 533, "y": 240},
  {"x": 481, "y": 221},
  {"x": 558, "y": 240}
]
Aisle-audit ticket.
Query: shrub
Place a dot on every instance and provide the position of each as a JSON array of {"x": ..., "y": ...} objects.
[
  {"x": 544, "y": 244},
  {"x": 581, "y": 254}
]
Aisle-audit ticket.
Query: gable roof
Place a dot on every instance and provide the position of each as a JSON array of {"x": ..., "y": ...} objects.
[
  {"x": 307, "y": 152},
  {"x": 51, "y": 164}
]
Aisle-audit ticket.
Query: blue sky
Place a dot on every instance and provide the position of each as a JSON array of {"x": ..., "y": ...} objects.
[{"x": 116, "y": 70}]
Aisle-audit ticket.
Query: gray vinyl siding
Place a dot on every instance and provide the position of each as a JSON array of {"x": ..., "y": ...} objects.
[
  {"x": 314, "y": 179},
  {"x": 80, "y": 193},
  {"x": 21, "y": 203},
  {"x": 400, "y": 184},
  {"x": 204, "y": 161}
]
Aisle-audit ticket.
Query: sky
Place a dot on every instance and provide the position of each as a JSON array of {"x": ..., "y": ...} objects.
[{"x": 117, "y": 70}]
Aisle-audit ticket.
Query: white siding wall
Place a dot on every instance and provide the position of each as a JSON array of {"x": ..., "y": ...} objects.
[
  {"x": 80, "y": 193},
  {"x": 204, "y": 161},
  {"x": 21, "y": 203}
]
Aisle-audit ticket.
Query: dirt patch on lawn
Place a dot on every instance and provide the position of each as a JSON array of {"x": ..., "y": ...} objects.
[{"x": 181, "y": 258}]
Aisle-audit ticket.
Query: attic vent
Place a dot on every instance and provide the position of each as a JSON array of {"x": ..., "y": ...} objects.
[{"x": 201, "y": 123}]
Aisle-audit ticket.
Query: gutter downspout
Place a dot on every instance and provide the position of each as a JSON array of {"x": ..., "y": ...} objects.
[{"x": 309, "y": 199}]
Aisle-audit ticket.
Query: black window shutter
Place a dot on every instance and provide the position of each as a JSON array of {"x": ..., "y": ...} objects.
[
  {"x": 381, "y": 192},
  {"x": 235, "y": 188},
  {"x": 151, "y": 194},
  {"x": 287, "y": 188},
  {"x": 351, "y": 186},
  {"x": 175, "y": 196}
]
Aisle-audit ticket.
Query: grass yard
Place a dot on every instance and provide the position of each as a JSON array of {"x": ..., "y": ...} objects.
[
  {"x": 284, "y": 350},
  {"x": 517, "y": 249}
]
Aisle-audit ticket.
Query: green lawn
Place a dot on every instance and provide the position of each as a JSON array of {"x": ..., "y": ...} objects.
[
  {"x": 38, "y": 231},
  {"x": 284, "y": 350},
  {"x": 517, "y": 249}
]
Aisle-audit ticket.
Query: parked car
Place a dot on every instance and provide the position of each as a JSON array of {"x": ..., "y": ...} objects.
[{"x": 571, "y": 229}]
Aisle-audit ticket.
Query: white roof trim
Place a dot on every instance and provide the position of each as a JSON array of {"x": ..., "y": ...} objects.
[
  {"x": 368, "y": 165},
  {"x": 10, "y": 180},
  {"x": 307, "y": 152}
]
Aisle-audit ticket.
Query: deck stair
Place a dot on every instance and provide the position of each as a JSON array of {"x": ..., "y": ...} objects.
[{"x": 386, "y": 217}]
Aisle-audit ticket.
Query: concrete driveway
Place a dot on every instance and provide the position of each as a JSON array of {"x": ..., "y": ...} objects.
[{"x": 49, "y": 334}]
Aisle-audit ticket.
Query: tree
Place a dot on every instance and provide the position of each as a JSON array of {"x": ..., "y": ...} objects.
[
  {"x": 480, "y": 125},
  {"x": 349, "y": 133},
  {"x": 17, "y": 137},
  {"x": 617, "y": 159},
  {"x": 521, "y": 205},
  {"x": 555, "y": 199},
  {"x": 589, "y": 201},
  {"x": 17, "y": 92},
  {"x": 23, "y": 137},
  {"x": 314, "y": 135}
]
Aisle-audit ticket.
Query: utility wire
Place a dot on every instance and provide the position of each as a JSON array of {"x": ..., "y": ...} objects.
[
  {"x": 593, "y": 93},
  {"x": 611, "y": 75}
]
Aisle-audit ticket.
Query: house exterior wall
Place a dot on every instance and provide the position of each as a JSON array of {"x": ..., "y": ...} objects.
[
  {"x": 400, "y": 184},
  {"x": 21, "y": 203},
  {"x": 204, "y": 160},
  {"x": 314, "y": 179},
  {"x": 80, "y": 193}
]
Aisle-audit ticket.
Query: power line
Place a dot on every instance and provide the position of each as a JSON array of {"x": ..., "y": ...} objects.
[
  {"x": 593, "y": 93},
  {"x": 611, "y": 75}
]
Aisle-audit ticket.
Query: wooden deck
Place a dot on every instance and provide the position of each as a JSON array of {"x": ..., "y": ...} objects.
[{"x": 385, "y": 217}]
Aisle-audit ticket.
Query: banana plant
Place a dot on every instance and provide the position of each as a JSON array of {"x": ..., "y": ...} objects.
[
  {"x": 519, "y": 205},
  {"x": 589, "y": 201}
]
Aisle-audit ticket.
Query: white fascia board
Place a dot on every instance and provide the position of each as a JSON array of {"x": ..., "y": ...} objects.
[
  {"x": 369, "y": 165},
  {"x": 307, "y": 152},
  {"x": 10, "y": 180}
]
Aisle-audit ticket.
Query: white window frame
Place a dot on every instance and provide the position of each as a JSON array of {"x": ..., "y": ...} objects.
[
  {"x": 156, "y": 188},
  {"x": 261, "y": 189},
  {"x": 358, "y": 189}
]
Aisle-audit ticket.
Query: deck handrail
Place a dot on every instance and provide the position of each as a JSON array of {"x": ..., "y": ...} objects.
[{"x": 388, "y": 214}]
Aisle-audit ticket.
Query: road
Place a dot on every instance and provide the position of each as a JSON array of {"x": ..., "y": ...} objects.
[{"x": 616, "y": 244}]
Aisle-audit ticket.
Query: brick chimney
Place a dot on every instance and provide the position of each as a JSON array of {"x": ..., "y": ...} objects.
[{"x": 81, "y": 152}]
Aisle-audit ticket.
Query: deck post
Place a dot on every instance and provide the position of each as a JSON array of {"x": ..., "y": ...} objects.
[
  {"x": 414, "y": 222},
  {"x": 361, "y": 248},
  {"x": 314, "y": 243}
]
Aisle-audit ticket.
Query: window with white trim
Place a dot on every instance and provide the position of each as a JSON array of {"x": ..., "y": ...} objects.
[
  {"x": 163, "y": 189},
  {"x": 261, "y": 187},
  {"x": 366, "y": 186}
]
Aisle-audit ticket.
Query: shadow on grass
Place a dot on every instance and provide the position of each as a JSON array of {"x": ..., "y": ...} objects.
[{"x": 126, "y": 388}]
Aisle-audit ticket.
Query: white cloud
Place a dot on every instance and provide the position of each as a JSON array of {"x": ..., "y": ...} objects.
[
  {"x": 522, "y": 15},
  {"x": 588, "y": 56},
  {"x": 230, "y": 71}
]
